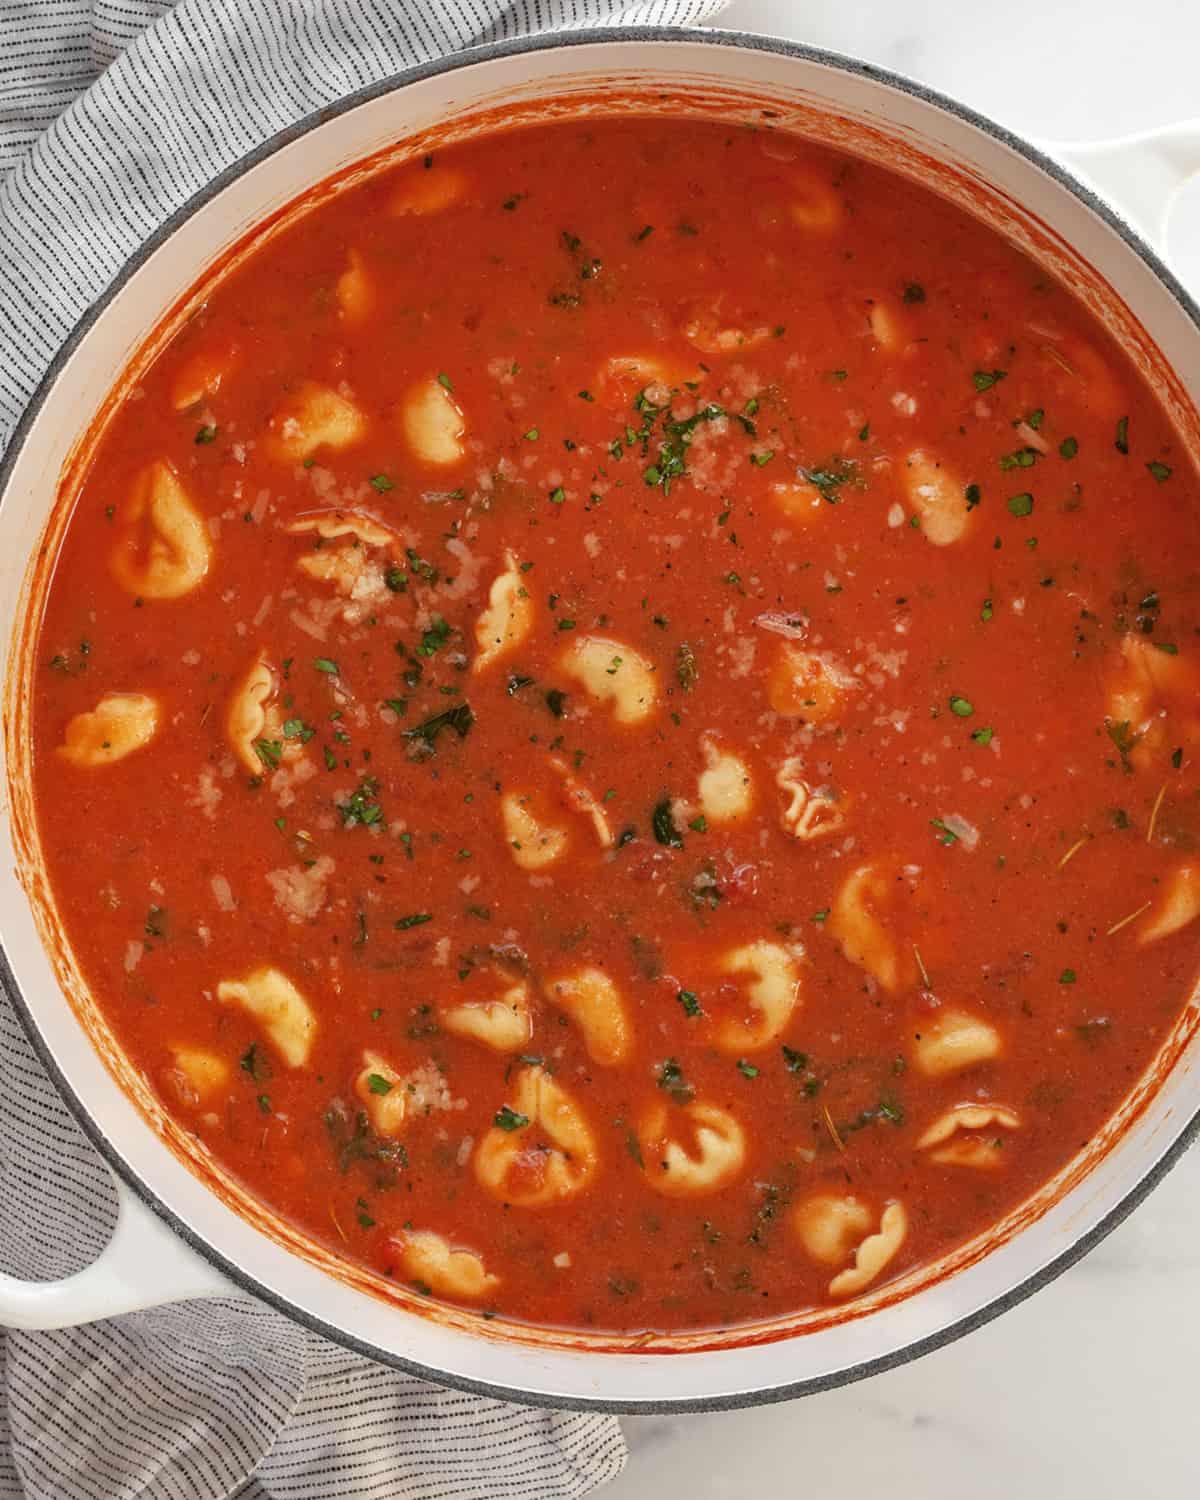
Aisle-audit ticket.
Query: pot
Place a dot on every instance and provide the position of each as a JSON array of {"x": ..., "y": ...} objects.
[{"x": 184, "y": 1231}]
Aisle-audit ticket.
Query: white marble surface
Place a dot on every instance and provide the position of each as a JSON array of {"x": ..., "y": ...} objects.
[{"x": 1089, "y": 1389}]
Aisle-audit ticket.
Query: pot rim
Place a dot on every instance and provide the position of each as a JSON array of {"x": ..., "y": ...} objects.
[{"x": 1064, "y": 180}]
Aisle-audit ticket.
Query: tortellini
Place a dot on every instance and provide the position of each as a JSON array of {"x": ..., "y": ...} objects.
[
  {"x": 581, "y": 799},
  {"x": 808, "y": 685},
  {"x": 432, "y": 424},
  {"x": 508, "y": 618},
  {"x": 887, "y": 325},
  {"x": 726, "y": 787},
  {"x": 938, "y": 497},
  {"x": 613, "y": 674},
  {"x": 118, "y": 725},
  {"x": 382, "y": 1093},
  {"x": 428, "y": 190},
  {"x": 1147, "y": 691},
  {"x": 809, "y": 814},
  {"x": 620, "y": 378},
  {"x": 858, "y": 922},
  {"x": 350, "y": 567},
  {"x": 354, "y": 291},
  {"x": 205, "y": 1072},
  {"x": 201, "y": 375},
  {"x": 502, "y": 1023},
  {"x": 773, "y": 994},
  {"x": 163, "y": 550},
  {"x": 834, "y": 1227},
  {"x": 1176, "y": 908},
  {"x": 253, "y": 724},
  {"x": 953, "y": 1039},
  {"x": 271, "y": 999},
  {"x": 715, "y": 1158},
  {"x": 597, "y": 1007},
  {"x": 314, "y": 417},
  {"x": 533, "y": 842},
  {"x": 541, "y": 1150},
  {"x": 815, "y": 204},
  {"x": 448, "y": 1271},
  {"x": 970, "y": 1150},
  {"x": 799, "y": 501},
  {"x": 711, "y": 334}
]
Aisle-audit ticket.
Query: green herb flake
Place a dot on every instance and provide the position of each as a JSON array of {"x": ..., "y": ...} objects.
[
  {"x": 1160, "y": 471},
  {"x": 1067, "y": 976},
  {"x": 690, "y": 1003},
  {"x": 508, "y": 1119},
  {"x": 1020, "y": 505},
  {"x": 382, "y": 483},
  {"x": 206, "y": 434},
  {"x": 983, "y": 736},
  {"x": 746, "y": 1069},
  {"x": 324, "y": 664},
  {"x": 416, "y": 919},
  {"x": 914, "y": 292},
  {"x": 664, "y": 827},
  {"x": 963, "y": 707},
  {"x": 1121, "y": 441},
  {"x": 1069, "y": 447},
  {"x": 984, "y": 380},
  {"x": 444, "y": 381},
  {"x": 378, "y": 1084}
]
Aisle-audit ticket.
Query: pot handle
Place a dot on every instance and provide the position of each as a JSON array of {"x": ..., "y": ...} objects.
[
  {"x": 1140, "y": 175},
  {"x": 144, "y": 1264}
]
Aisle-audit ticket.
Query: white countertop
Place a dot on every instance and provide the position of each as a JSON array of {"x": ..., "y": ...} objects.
[{"x": 1086, "y": 1390}]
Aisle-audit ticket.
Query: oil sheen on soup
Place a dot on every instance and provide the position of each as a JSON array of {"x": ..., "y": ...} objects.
[{"x": 616, "y": 726}]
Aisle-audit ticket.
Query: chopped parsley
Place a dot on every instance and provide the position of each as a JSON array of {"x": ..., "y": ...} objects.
[
  {"x": 360, "y": 806},
  {"x": 1121, "y": 441},
  {"x": 1160, "y": 471},
  {"x": 963, "y": 707},
  {"x": 508, "y": 1119},
  {"x": 381, "y": 483},
  {"x": 1069, "y": 447},
  {"x": 690, "y": 1003},
  {"x": 324, "y": 664},
  {"x": 416, "y": 919},
  {"x": 664, "y": 827},
  {"x": 984, "y": 380},
  {"x": 1020, "y": 505},
  {"x": 459, "y": 718},
  {"x": 378, "y": 1084}
]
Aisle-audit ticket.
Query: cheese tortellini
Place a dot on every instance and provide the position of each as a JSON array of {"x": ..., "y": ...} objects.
[
  {"x": 254, "y": 724},
  {"x": 508, "y": 618},
  {"x": 582, "y": 800},
  {"x": 201, "y": 375},
  {"x": 433, "y": 424},
  {"x": 204, "y": 1072},
  {"x": 772, "y": 995},
  {"x": 808, "y": 685},
  {"x": 815, "y": 205},
  {"x": 726, "y": 788},
  {"x": 715, "y": 1157},
  {"x": 938, "y": 497},
  {"x": 809, "y": 814},
  {"x": 614, "y": 674},
  {"x": 1154, "y": 694},
  {"x": 887, "y": 325},
  {"x": 351, "y": 567},
  {"x": 163, "y": 548},
  {"x": 314, "y": 417},
  {"x": 381, "y": 1091},
  {"x": 619, "y": 379},
  {"x": 834, "y": 1227},
  {"x": 1176, "y": 908},
  {"x": 269, "y": 997},
  {"x": 502, "y": 1023},
  {"x": 446, "y": 1270},
  {"x": 541, "y": 1150},
  {"x": 860, "y": 922},
  {"x": 118, "y": 725},
  {"x": 597, "y": 1007},
  {"x": 534, "y": 842},
  {"x": 709, "y": 332},
  {"x": 979, "y": 1145},
  {"x": 428, "y": 190},
  {"x": 355, "y": 292},
  {"x": 953, "y": 1039}
]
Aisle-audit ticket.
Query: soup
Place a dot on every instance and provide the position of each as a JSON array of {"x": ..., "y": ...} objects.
[{"x": 615, "y": 724}]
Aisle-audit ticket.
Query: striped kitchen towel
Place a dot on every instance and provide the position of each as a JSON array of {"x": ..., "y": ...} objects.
[{"x": 112, "y": 114}]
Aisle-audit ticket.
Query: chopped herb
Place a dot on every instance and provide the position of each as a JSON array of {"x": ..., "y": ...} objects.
[
  {"x": 444, "y": 381},
  {"x": 963, "y": 707},
  {"x": 557, "y": 495},
  {"x": 381, "y": 483},
  {"x": 986, "y": 611},
  {"x": 796, "y": 1062},
  {"x": 1168, "y": 646},
  {"x": 762, "y": 458},
  {"x": 671, "y": 1079},
  {"x": 254, "y": 1063},
  {"x": 984, "y": 380},
  {"x": 1020, "y": 505},
  {"x": 1067, "y": 976},
  {"x": 914, "y": 292},
  {"x": 532, "y": 435},
  {"x": 270, "y": 752},
  {"x": 417, "y": 919},
  {"x": 1069, "y": 447},
  {"x": 1023, "y": 458},
  {"x": 973, "y": 496},
  {"x": 699, "y": 824},
  {"x": 982, "y": 736},
  {"x": 396, "y": 580},
  {"x": 664, "y": 827},
  {"x": 516, "y": 683},
  {"x": 820, "y": 916},
  {"x": 828, "y": 481},
  {"x": 1160, "y": 471},
  {"x": 746, "y": 1069},
  {"x": 945, "y": 835},
  {"x": 1121, "y": 441},
  {"x": 644, "y": 232},
  {"x": 508, "y": 1119},
  {"x": 378, "y": 1084},
  {"x": 459, "y": 719},
  {"x": 323, "y": 664},
  {"x": 1122, "y": 735},
  {"x": 361, "y": 807},
  {"x": 206, "y": 434},
  {"x": 264, "y": 1103},
  {"x": 690, "y": 1003},
  {"x": 1036, "y": 418},
  {"x": 435, "y": 637}
]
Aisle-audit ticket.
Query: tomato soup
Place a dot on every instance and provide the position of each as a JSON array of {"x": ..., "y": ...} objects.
[{"x": 616, "y": 725}]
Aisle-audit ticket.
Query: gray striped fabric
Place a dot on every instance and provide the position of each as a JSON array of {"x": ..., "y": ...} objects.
[{"x": 112, "y": 113}]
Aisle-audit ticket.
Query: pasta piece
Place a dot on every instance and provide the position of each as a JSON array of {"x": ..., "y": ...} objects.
[
  {"x": 508, "y": 618},
  {"x": 1148, "y": 690},
  {"x": 773, "y": 993},
  {"x": 717, "y": 1155},
  {"x": 354, "y": 568},
  {"x": 314, "y": 417},
  {"x": 809, "y": 814},
  {"x": 254, "y": 724},
  {"x": 532, "y": 842},
  {"x": 277, "y": 1005},
  {"x": 503, "y": 1023},
  {"x": 541, "y": 1149},
  {"x": 354, "y": 291},
  {"x": 163, "y": 550},
  {"x": 938, "y": 497},
  {"x": 887, "y": 325},
  {"x": 200, "y": 376},
  {"x": 206, "y": 1073},
  {"x": 859, "y": 922},
  {"x": 815, "y": 205},
  {"x": 433, "y": 425},
  {"x": 383, "y": 1095},
  {"x": 808, "y": 685},
  {"x": 118, "y": 725},
  {"x": 725, "y": 788},
  {"x": 619, "y": 379},
  {"x": 873, "y": 1254},
  {"x": 800, "y": 502},
  {"x": 954, "y": 1039},
  {"x": 969, "y": 1151},
  {"x": 1176, "y": 908},
  {"x": 340, "y": 523},
  {"x": 430, "y": 1259},
  {"x": 428, "y": 190},
  {"x": 829, "y": 1226},
  {"x": 708, "y": 332},
  {"x": 580, "y": 799},
  {"x": 596, "y": 1006},
  {"x": 613, "y": 674}
]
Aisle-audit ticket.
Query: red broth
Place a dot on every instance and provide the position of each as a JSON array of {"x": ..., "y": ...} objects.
[{"x": 616, "y": 723}]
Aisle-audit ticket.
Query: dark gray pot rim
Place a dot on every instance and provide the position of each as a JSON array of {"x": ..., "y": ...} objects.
[{"x": 612, "y": 36}]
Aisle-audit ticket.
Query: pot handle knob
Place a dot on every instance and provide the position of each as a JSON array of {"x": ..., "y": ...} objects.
[
  {"x": 144, "y": 1264},
  {"x": 1140, "y": 175}
]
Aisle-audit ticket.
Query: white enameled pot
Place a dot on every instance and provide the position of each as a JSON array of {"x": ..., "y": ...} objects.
[{"x": 184, "y": 1231}]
